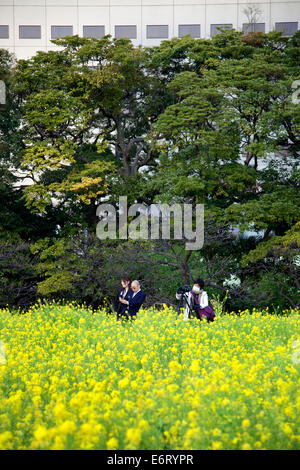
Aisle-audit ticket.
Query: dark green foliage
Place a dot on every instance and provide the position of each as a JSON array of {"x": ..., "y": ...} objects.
[{"x": 189, "y": 121}]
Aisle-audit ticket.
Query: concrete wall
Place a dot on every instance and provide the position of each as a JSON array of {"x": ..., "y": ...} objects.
[{"x": 138, "y": 13}]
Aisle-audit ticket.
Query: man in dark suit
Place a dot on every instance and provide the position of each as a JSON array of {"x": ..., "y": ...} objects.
[{"x": 135, "y": 300}]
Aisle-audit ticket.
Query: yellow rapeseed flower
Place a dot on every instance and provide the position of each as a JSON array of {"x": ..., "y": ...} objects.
[
  {"x": 112, "y": 444},
  {"x": 134, "y": 436}
]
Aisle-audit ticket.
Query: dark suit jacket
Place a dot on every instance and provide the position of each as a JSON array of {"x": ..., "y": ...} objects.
[
  {"x": 136, "y": 302},
  {"x": 119, "y": 308}
]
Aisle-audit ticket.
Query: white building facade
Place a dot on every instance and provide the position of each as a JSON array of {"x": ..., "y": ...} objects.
[{"x": 27, "y": 26}]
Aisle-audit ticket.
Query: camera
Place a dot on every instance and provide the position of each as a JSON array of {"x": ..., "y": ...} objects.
[{"x": 183, "y": 289}]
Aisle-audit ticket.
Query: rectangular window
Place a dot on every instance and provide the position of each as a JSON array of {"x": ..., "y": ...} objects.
[
  {"x": 158, "y": 31},
  {"x": 288, "y": 28},
  {"x": 94, "y": 31},
  {"x": 4, "y": 33},
  {"x": 253, "y": 27},
  {"x": 125, "y": 31},
  {"x": 61, "y": 31},
  {"x": 192, "y": 29},
  {"x": 29, "y": 32},
  {"x": 214, "y": 30}
]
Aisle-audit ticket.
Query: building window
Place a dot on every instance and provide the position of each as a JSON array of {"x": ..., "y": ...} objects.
[
  {"x": 125, "y": 31},
  {"x": 94, "y": 31},
  {"x": 253, "y": 27},
  {"x": 288, "y": 28},
  {"x": 157, "y": 31},
  {"x": 214, "y": 30},
  {"x": 29, "y": 32},
  {"x": 4, "y": 31},
  {"x": 61, "y": 31},
  {"x": 192, "y": 29}
]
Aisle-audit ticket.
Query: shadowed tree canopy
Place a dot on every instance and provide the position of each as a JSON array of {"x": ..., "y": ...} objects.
[{"x": 188, "y": 121}]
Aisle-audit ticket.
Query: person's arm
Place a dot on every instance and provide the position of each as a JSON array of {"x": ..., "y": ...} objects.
[
  {"x": 204, "y": 300},
  {"x": 136, "y": 302}
]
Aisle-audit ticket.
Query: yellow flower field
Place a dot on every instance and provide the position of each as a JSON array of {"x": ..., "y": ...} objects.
[{"x": 77, "y": 380}]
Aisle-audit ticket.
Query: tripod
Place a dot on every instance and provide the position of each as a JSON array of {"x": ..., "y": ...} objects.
[{"x": 183, "y": 296}]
